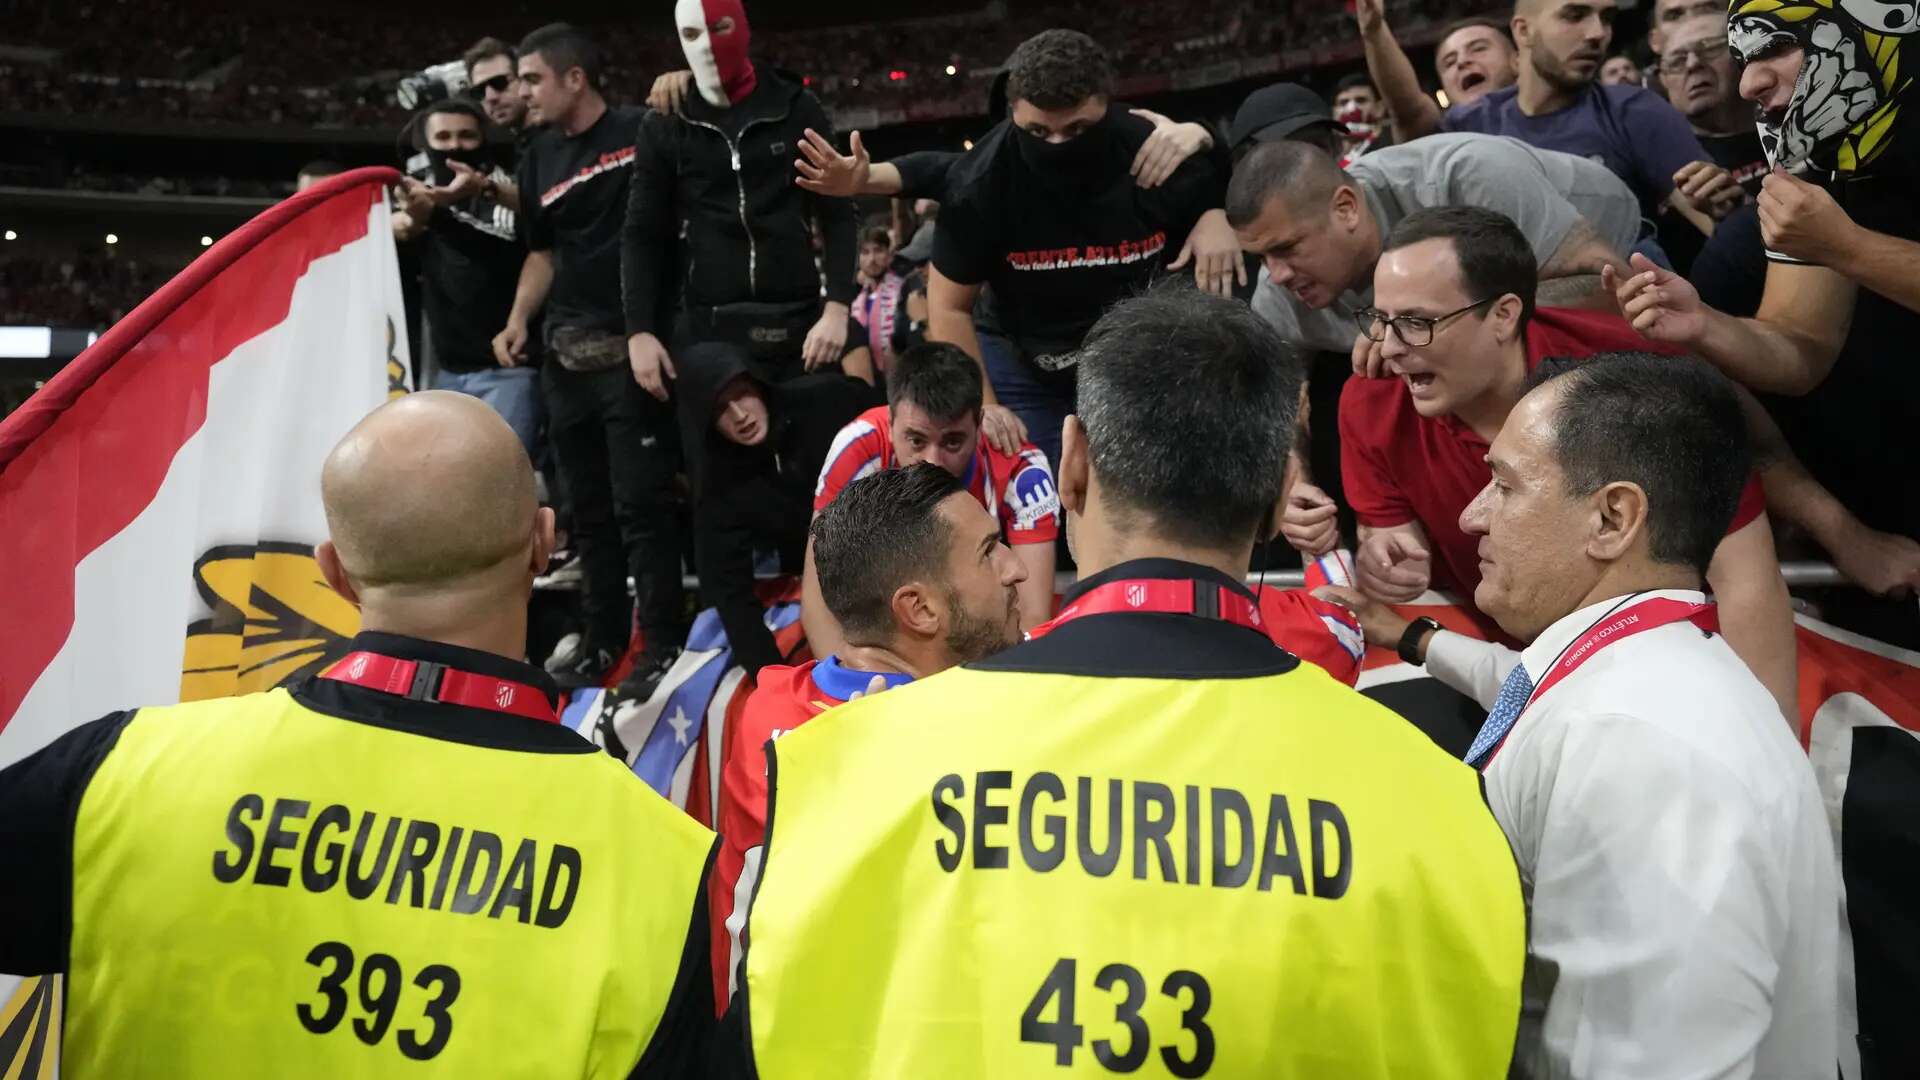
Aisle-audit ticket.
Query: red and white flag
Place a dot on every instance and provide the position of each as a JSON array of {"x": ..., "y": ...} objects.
[{"x": 160, "y": 496}]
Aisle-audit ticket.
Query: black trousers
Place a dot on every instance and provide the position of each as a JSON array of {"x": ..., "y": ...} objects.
[{"x": 619, "y": 451}]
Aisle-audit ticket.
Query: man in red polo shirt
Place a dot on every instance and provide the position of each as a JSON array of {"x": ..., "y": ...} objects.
[
  {"x": 933, "y": 415},
  {"x": 914, "y": 571},
  {"x": 1458, "y": 331}
]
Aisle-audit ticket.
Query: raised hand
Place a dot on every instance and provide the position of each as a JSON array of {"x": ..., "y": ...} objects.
[{"x": 824, "y": 170}]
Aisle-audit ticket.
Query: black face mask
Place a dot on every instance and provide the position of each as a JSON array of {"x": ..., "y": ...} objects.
[
  {"x": 478, "y": 159},
  {"x": 1080, "y": 162}
]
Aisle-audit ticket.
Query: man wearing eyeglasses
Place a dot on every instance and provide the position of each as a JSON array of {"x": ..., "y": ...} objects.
[
  {"x": 1698, "y": 73},
  {"x": 1455, "y": 317}
]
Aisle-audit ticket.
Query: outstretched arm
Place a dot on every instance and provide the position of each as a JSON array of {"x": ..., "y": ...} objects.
[{"x": 1414, "y": 113}]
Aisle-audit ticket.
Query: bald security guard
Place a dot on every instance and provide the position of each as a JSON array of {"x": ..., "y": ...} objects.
[
  {"x": 402, "y": 862},
  {"x": 1146, "y": 840}
]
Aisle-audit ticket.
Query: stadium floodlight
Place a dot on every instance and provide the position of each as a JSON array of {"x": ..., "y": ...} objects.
[
  {"x": 206, "y": 241},
  {"x": 11, "y": 235},
  {"x": 113, "y": 238},
  {"x": 951, "y": 70}
]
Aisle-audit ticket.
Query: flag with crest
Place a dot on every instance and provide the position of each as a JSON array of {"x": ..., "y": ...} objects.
[{"x": 161, "y": 494}]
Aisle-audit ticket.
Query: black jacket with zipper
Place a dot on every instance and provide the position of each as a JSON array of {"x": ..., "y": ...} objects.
[{"x": 728, "y": 175}]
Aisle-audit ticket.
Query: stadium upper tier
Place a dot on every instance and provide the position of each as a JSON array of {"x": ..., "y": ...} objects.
[{"x": 221, "y": 62}]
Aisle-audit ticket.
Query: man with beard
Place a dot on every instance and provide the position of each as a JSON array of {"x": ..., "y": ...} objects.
[
  {"x": 493, "y": 78},
  {"x": 1838, "y": 315},
  {"x": 470, "y": 258},
  {"x": 1045, "y": 211},
  {"x": 933, "y": 415},
  {"x": 1144, "y": 803},
  {"x": 753, "y": 448},
  {"x": 715, "y": 181},
  {"x": 914, "y": 569},
  {"x": 1558, "y": 104}
]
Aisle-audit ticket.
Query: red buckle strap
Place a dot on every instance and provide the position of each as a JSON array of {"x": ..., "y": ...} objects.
[
  {"x": 424, "y": 680},
  {"x": 1159, "y": 596}
]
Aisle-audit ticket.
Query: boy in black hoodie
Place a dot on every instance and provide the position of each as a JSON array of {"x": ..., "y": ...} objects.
[{"x": 753, "y": 452}]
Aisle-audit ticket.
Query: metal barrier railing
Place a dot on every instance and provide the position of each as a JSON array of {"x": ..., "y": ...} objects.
[{"x": 1797, "y": 574}]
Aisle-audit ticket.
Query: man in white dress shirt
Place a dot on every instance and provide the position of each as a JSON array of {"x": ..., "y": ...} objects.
[{"x": 1674, "y": 850}]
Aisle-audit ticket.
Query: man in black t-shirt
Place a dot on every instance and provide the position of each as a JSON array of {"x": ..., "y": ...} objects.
[
  {"x": 470, "y": 256},
  {"x": 1045, "y": 211},
  {"x": 617, "y": 446}
]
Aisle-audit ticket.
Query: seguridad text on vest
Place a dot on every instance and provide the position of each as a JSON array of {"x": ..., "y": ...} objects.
[
  {"x": 1148, "y": 813},
  {"x": 488, "y": 882}
]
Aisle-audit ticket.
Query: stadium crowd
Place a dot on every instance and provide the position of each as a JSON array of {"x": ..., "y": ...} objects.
[
  {"x": 1586, "y": 353},
  {"x": 95, "y": 287},
  {"x": 125, "y": 59}
]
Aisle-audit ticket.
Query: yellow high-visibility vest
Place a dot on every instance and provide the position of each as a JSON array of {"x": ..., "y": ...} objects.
[
  {"x": 260, "y": 889},
  {"x": 1006, "y": 873}
]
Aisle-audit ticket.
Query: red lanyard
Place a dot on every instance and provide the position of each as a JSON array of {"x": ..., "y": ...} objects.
[
  {"x": 1646, "y": 615},
  {"x": 416, "y": 680},
  {"x": 1159, "y": 596}
]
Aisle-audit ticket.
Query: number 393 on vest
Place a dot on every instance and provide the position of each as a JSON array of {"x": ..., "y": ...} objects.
[{"x": 1215, "y": 836}]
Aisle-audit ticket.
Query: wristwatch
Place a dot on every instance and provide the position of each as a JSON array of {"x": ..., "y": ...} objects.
[{"x": 1410, "y": 639}]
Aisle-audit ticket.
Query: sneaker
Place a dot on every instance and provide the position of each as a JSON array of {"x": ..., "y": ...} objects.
[
  {"x": 647, "y": 672},
  {"x": 563, "y": 572},
  {"x": 565, "y": 653},
  {"x": 590, "y": 669}
]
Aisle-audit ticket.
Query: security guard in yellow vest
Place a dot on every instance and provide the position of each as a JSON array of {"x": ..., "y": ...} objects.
[
  {"x": 1146, "y": 840},
  {"x": 402, "y": 866}
]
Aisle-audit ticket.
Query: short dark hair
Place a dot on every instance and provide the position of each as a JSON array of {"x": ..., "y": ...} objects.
[
  {"x": 321, "y": 168},
  {"x": 446, "y": 107},
  {"x": 1354, "y": 79},
  {"x": 1495, "y": 258},
  {"x": 486, "y": 49},
  {"x": 1059, "y": 69},
  {"x": 1189, "y": 403},
  {"x": 564, "y": 46},
  {"x": 876, "y": 235},
  {"x": 1672, "y": 425},
  {"x": 1489, "y": 21},
  {"x": 939, "y": 378},
  {"x": 881, "y": 532},
  {"x": 1306, "y": 174}
]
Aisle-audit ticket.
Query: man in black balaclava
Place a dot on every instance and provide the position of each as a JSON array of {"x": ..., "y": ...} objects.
[
  {"x": 754, "y": 452},
  {"x": 1045, "y": 210},
  {"x": 469, "y": 264}
]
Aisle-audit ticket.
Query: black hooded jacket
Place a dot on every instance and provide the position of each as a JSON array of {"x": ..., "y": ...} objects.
[
  {"x": 728, "y": 174},
  {"x": 755, "y": 496}
]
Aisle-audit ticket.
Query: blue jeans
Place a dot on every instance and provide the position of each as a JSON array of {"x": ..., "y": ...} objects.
[
  {"x": 1041, "y": 399},
  {"x": 514, "y": 393}
]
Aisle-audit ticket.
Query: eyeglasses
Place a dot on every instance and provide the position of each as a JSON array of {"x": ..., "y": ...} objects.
[
  {"x": 1677, "y": 61},
  {"x": 498, "y": 84},
  {"x": 1414, "y": 331}
]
